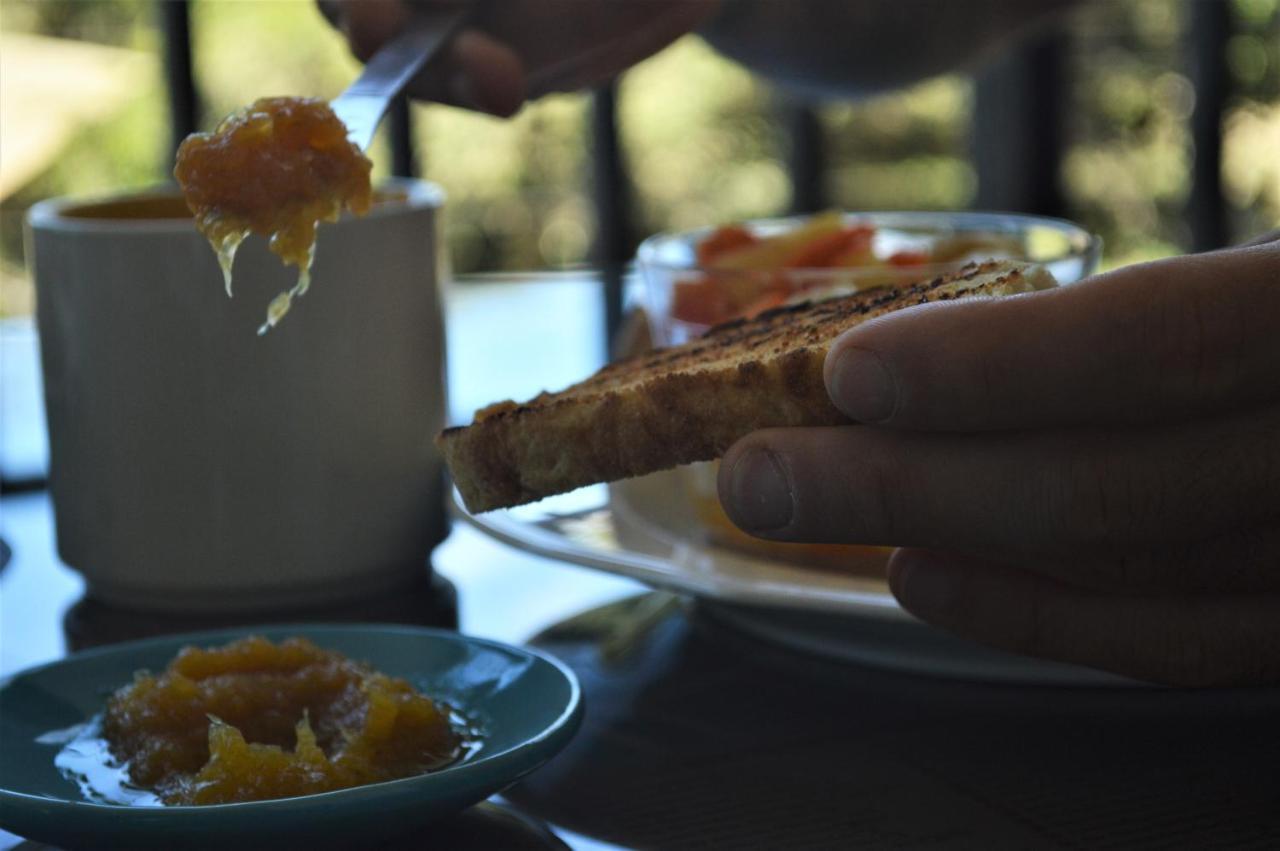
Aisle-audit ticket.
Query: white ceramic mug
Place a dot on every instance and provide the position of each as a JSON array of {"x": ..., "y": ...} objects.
[{"x": 196, "y": 466}]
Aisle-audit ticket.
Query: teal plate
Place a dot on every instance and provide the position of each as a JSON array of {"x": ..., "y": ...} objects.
[{"x": 525, "y": 705}]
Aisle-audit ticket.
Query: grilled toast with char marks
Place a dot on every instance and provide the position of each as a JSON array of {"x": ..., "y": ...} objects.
[{"x": 686, "y": 403}]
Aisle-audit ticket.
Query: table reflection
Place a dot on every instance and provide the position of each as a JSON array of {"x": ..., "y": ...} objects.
[{"x": 699, "y": 736}]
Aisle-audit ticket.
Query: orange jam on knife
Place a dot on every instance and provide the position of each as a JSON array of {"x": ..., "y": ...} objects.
[
  {"x": 255, "y": 720},
  {"x": 276, "y": 168}
]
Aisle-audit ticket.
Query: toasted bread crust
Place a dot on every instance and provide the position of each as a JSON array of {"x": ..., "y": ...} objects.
[{"x": 687, "y": 403}]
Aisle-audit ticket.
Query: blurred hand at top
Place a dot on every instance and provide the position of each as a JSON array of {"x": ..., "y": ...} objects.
[{"x": 518, "y": 50}]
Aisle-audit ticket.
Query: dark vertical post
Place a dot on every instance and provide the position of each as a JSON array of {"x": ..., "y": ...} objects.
[
  {"x": 614, "y": 231},
  {"x": 1207, "y": 34},
  {"x": 404, "y": 163},
  {"x": 184, "y": 103},
  {"x": 806, "y": 157},
  {"x": 1019, "y": 137}
]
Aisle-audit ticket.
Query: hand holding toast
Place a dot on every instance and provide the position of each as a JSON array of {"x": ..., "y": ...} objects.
[{"x": 1089, "y": 474}]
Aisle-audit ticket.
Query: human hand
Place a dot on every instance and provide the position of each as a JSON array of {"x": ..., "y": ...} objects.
[
  {"x": 518, "y": 50},
  {"x": 1089, "y": 474}
]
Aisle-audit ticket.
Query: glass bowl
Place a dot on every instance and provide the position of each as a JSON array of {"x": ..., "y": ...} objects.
[{"x": 669, "y": 260}]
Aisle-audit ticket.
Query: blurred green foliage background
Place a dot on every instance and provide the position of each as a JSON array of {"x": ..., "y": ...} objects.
[{"x": 701, "y": 135}]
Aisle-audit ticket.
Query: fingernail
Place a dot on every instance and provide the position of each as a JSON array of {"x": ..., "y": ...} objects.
[
  {"x": 862, "y": 386},
  {"x": 759, "y": 492},
  {"x": 923, "y": 585}
]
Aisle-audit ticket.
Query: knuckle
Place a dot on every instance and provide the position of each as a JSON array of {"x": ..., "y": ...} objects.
[
  {"x": 1103, "y": 495},
  {"x": 1081, "y": 504},
  {"x": 875, "y": 498},
  {"x": 885, "y": 488},
  {"x": 991, "y": 400},
  {"x": 847, "y": 489},
  {"x": 1196, "y": 342}
]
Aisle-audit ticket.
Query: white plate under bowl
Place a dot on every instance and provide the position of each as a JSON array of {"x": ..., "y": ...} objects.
[{"x": 645, "y": 529}]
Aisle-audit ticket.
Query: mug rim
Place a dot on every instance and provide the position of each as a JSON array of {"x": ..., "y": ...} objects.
[{"x": 53, "y": 213}]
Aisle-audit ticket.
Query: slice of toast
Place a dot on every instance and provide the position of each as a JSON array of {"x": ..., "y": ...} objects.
[{"x": 687, "y": 403}]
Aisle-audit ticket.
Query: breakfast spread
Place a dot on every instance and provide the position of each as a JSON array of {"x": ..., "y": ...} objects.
[
  {"x": 277, "y": 168},
  {"x": 689, "y": 402},
  {"x": 255, "y": 720}
]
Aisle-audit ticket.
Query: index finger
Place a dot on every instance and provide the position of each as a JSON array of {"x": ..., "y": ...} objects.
[{"x": 1172, "y": 338}]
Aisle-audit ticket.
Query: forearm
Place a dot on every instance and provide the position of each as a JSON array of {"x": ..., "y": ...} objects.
[{"x": 843, "y": 47}]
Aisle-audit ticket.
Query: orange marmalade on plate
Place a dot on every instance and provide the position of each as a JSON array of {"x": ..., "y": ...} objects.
[
  {"x": 276, "y": 168},
  {"x": 255, "y": 720}
]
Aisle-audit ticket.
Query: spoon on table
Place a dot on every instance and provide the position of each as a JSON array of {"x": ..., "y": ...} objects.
[{"x": 364, "y": 103}]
